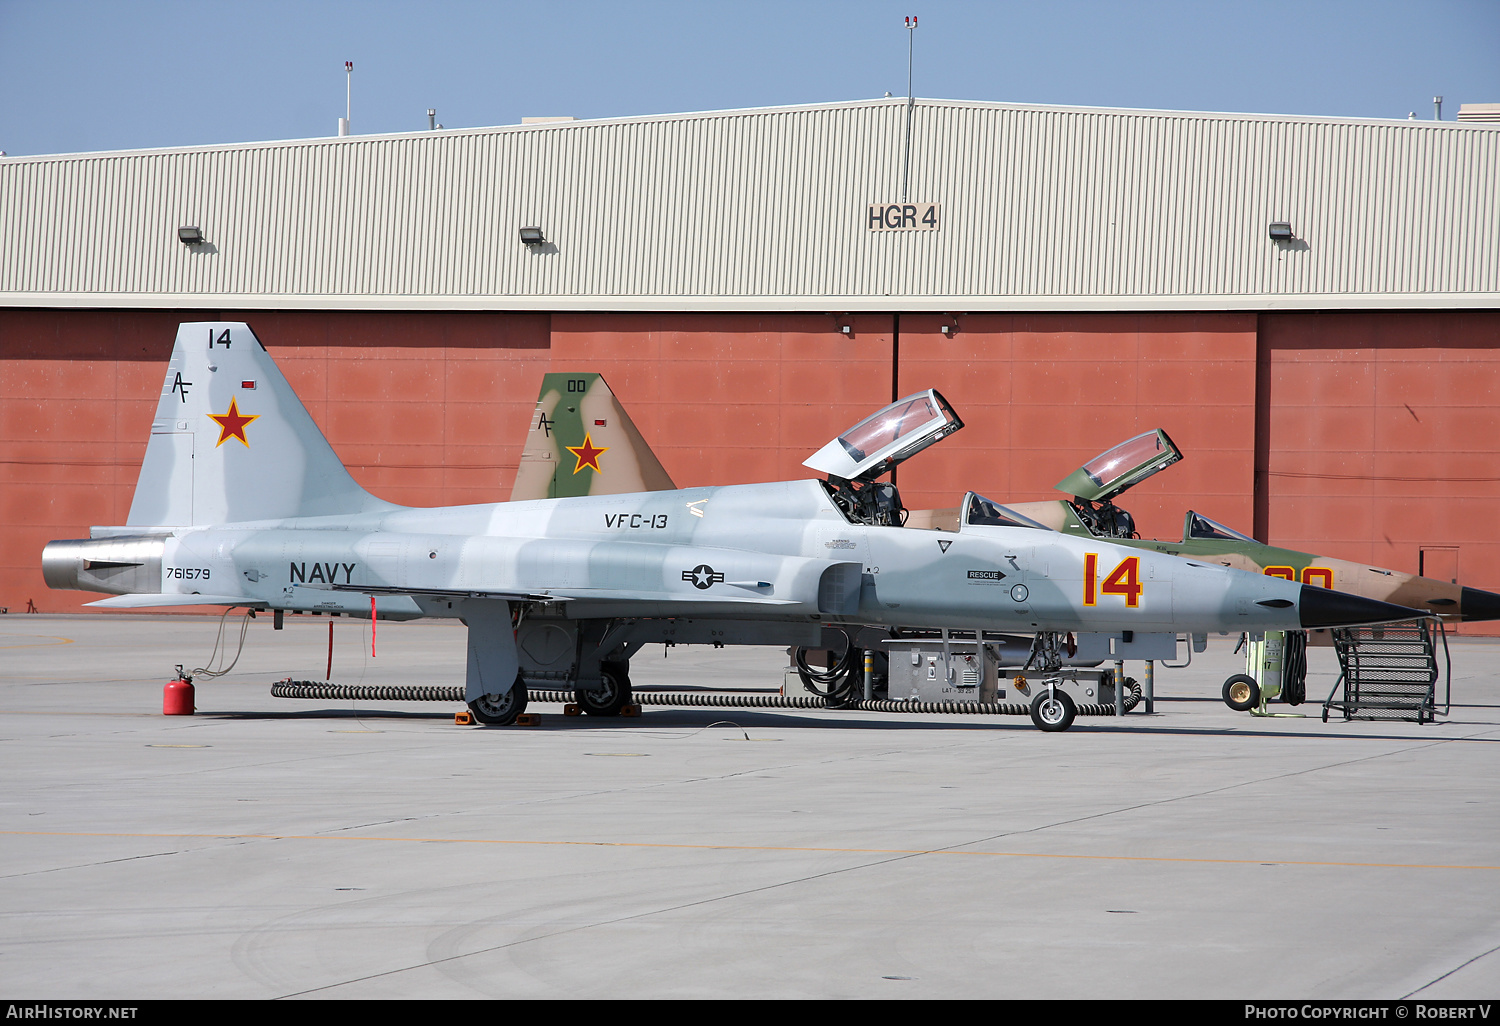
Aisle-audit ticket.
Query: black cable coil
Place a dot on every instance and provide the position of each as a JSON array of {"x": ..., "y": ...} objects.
[{"x": 840, "y": 684}]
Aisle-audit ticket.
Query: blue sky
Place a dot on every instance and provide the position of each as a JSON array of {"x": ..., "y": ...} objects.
[{"x": 82, "y": 75}]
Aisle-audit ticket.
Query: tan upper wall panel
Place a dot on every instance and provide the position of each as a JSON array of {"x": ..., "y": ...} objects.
[{"x": 1042, "y": 207}]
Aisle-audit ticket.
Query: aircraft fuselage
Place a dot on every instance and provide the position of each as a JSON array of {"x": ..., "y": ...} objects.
[{"x": 777, "y": 551}]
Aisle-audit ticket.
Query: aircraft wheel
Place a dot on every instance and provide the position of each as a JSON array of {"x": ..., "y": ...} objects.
[
  {"x": 1241, "y": 693},
  {"x": 500, "y": 710},
  {"x": 614, "y": 696},
  {"x": 1052, "y": 712},
  {"x": 1132, "y": 693}
]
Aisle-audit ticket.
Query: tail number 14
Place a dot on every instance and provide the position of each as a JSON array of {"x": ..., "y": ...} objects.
[{"x": 1124, "y": 579}]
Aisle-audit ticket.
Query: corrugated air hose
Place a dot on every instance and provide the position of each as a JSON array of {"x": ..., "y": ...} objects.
[{"x": 417, "y": 693}]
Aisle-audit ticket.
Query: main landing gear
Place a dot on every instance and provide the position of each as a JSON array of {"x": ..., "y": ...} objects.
[
  {"x": 501, "y": 710},
  {"x": 612, "y": 697}
]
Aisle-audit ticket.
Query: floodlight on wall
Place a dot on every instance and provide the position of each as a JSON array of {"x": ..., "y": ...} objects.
[
  {"x": 532, "y": 236},
  {"x": 1280, "y": 231},
  {"x": 190, "y": 235},
  {"x": 949, "y": 328}
]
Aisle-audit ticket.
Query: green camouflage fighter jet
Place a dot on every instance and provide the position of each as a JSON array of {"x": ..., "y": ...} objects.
[
  {"x": 582, "y": 442},
  {"x": 565, "y": 433},
  {"x": 1092, "y": 513}
]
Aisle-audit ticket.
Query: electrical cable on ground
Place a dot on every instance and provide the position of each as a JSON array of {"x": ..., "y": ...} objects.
[
  {"x": 204, "y": 671},
  {"x": 839, "y": 684}
]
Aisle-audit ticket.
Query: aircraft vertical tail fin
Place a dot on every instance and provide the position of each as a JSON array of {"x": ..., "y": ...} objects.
[
  {"x": 232, "y": 442},
  {"x": 582, "y": 442}
]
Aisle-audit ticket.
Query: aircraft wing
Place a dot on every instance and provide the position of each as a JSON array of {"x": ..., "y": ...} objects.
[
  {"x": 151, "y": 601},
  {"x": 441, "y": 593},
  {"x": 747, "y": 592}
]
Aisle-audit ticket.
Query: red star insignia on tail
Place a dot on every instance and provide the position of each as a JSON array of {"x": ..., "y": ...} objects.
[
  {"x": 232, "y": 424},
  {"x": 588, "y": 455}
]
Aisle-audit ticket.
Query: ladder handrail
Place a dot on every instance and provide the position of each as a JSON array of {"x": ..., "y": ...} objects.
[{"x": 1401, "y": 664}]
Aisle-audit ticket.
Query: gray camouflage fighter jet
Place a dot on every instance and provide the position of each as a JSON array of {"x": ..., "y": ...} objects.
[{"x": 241, "y": 502}]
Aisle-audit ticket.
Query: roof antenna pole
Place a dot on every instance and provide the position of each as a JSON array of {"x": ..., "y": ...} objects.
[
  {"x": 911, "y": 29},
  {"x": 344, "y": 121}
]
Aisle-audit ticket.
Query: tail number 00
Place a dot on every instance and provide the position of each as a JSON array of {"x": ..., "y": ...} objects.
[{"x": 1124, "y": 579}]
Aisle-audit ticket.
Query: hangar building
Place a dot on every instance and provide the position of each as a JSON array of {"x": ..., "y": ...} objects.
[{"x": 753, "y": 281}]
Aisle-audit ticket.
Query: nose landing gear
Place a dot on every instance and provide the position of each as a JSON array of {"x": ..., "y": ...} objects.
[{"x": 1052, "y": 710}]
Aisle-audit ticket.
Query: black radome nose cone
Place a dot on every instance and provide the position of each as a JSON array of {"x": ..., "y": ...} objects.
[
  {"x": 1321, "y": 607},
  {"x": 1479, "y": 605}
]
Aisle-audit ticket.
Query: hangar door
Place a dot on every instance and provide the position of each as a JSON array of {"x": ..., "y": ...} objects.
[{"x": 1379, "y": 439}]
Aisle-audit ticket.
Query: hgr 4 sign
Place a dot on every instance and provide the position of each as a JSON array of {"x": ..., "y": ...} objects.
[{"x": 908, "y": 217}]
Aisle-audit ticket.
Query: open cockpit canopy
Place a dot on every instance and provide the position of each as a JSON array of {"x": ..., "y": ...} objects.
[
  {"x": 1124, "y": 466},
  {"x": 878, "y": 443}
]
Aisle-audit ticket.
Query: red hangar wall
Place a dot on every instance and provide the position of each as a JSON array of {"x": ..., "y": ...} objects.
[{"x": 1362, "y": 435}]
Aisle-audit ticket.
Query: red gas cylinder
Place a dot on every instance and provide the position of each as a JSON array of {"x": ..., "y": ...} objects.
[{"x": 177, "y": 696}]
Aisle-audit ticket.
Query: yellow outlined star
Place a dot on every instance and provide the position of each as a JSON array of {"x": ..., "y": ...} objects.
[
  {"x": 588, "y": 455},
  {"x": 232, "y": 424}
]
